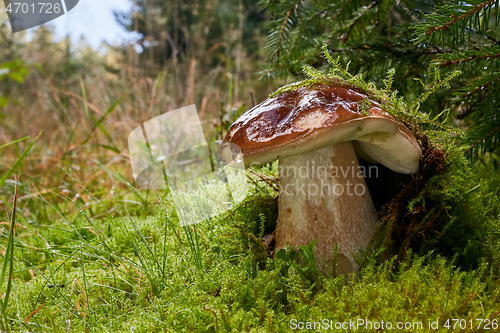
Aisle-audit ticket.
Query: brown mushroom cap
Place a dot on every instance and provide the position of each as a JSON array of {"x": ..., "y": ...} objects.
[{"x": 312, "y": 118}]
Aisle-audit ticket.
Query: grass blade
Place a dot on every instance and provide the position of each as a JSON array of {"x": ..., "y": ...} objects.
[
  {"x": 9, "y": 259},
  {"x": 15, "y": 141},
  {"x": 4, "y": 178},
  {"x": 99, "y": 122}
]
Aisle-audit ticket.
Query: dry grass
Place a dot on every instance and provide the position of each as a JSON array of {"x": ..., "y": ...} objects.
[{"x": 87, "y": 106}]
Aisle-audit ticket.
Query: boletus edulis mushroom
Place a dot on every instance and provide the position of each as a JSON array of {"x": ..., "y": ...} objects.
[{"x": 318, "y": 133}]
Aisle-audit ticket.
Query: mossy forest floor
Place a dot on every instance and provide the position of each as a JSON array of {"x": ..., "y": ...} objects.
[{"x": 134, "y": 268}]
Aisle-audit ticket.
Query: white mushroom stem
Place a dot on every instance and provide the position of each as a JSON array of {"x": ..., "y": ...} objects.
[{"x": 324, "y": 197}]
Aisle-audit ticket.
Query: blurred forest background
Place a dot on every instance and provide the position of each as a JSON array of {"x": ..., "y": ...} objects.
[
  {"x": 66, "y": 111},
  {"x": 227, "y": 55},
  {"x": 86, "y": 102}
]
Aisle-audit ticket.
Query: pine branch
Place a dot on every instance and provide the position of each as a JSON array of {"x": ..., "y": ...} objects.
[
  {"x": 344, "y": 10},
  {"x": 451, "y": 21},
  {"x": 360, "y": 17},
  {"x": 339, "y": 75},
  {"x": 479, "y": 84},
  {"x": 374, "y": 36},
  {"x": 471, "y": 12},
  {"x": 299, "y": 27},
  {"x": 461, "y": 57},
  {"x": 485, "y": 143},
  {"x": 281, "y": 33},
  {"x": 484, "y": 134}
]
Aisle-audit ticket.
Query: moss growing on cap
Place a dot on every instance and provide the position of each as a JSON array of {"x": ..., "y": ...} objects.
[
  {"x": 440, "y": 209},
  {"x": 389, "y": 100}
]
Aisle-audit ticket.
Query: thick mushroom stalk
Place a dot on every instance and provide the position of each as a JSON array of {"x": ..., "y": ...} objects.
[
  {"x": 312, "y": 131},
  {"x": 324, "y": 197}
]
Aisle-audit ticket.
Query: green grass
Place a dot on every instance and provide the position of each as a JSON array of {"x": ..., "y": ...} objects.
[
  {"x": 128, "y": 271},
  {"x": 91, "y": 253}
]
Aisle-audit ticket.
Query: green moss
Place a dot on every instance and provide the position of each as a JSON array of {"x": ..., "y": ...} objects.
[
  {"x": 438, "y": 209},
  {"x": 389, "y": 100},
  {"x": 439, "y": 259},
  {"x": 155, "y": 284},
  {"x": 225, "y": 297}
]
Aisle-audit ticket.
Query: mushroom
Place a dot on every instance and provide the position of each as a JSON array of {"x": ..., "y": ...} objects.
[{"x": 318, "y": 133}]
